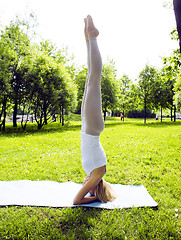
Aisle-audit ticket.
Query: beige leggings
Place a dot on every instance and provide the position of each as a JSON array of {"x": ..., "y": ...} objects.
[{"x": 91, "y": 110}]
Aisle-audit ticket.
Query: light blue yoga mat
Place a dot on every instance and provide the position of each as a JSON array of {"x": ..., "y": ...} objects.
[{"x": 54, "y": 194}]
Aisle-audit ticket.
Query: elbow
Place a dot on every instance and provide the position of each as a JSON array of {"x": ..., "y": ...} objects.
[{"x": 76, "y": 202}]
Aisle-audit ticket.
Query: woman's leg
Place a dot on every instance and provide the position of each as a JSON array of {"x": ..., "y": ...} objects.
[
  {"x": 177, "y": 9},
  {"x": 92, "y": 110},
  {"x": 88, "y": 72},
  {"x": 88, "y": 66}
]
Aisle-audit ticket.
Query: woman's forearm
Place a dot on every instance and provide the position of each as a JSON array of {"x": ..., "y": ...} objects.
[{"x": 86, "y": 200}]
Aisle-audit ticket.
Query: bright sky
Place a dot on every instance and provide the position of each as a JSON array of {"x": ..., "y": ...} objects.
[{"x": 132, "y": 32}]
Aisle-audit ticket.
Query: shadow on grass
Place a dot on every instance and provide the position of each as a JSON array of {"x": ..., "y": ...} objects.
[
  {"x": 32, "y": 129},
  {"x": 159, "y": 124},
  {"x": 65, "y": 223},
  {"x": 76, "y": 222},
  {"x": 140, "y": 123},
  {"x": 76, "y": 126}
]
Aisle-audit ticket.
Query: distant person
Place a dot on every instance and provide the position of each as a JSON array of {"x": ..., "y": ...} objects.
[
  {"x": 156, "y": 116},
  {"x": 177, "y": 10},
  {"x": 93, "y": 156},
  {"x": 121, "y": 116}
]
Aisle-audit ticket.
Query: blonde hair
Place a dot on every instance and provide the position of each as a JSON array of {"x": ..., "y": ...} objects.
[{"x": 104, "y": 192}]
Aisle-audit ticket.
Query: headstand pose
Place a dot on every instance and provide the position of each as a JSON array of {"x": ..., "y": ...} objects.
[{"x": 93, "y": 156}]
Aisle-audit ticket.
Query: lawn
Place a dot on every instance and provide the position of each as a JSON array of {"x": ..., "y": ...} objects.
[{"x": 137, "y": 153}]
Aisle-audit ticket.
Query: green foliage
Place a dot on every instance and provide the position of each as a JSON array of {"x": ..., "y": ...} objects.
[
  {"x": 172, "y": 67},
  {"x": 80, "y": 80},
  {"x": 147, "y": 83},
  {"x": 59, "y": 55},
  {"x": 109, "y": 87},
  {"x": 14, "y": 50},
  {"x": 137, "y": 154},
  {"x": 177, "y": 89},
  {"x": 148, "y": 88},
  {"x": 174, "y": 34},
  {"x": 34, "y": 78},
  {"x": 128, "y": 94}
]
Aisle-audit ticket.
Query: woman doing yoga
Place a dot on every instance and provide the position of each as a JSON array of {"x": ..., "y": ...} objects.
[{"x": 93, "y": 156}]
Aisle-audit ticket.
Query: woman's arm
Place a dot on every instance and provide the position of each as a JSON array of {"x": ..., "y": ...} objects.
[
  {"x": 86, "y": 179},
  {"x": 80, "y": 197},
  {"x": 85, "y": 200}
]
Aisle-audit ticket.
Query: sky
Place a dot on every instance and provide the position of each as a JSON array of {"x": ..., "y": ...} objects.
[{"x": 132, "y": 32}]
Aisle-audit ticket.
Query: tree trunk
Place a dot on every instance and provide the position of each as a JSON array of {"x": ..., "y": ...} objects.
[
  {"x": 22, "y": 120},
  {"x": 123, "y": 115},
  {"x": 4, "y": 114},
  {"x": 171, "y": 114},
  {"x": 45, "y": 113},
  {"x": 174, "y": 113},
  {"x": 23, "y": 123},
  {"x": 4, "y": 120},
  {"x": 60, "y": 114},
  {"x": 104, "y": 115},
  {"x": 15, "y": 113},
  {"x": 161, "y": 114},
  {"x": 2, "y": 111},
  {"x": 41, "y": 122},
  {"x": 145, "y": 112},
  {"x": 62, "y": 117}
]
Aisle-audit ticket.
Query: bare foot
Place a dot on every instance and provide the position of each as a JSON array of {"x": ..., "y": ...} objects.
[
  {"x": 85, "y": 30},
  {"x": 91, "y": 29}
]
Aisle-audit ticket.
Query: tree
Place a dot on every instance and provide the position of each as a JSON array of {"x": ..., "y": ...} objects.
[
  {"x": 147, "y": 85},
  {"x": 34, "y": 76},
  {"x": 171, "y": 70},
  {"x": 80, "y": 80},
  {"x": 43, "y": 87},
  {"x": 17, "y": 43},
  {"x": 60, "y": 56},
  {"x": 27, "y": 90},
  {"x": 5, "y": 85},
  {"x": 177, "y": 89},
  {"x": 161, "y": 92},
  {"x": 66, "y": 95},
  {"x": 127, "y": 95},
  {"x": 52, "y": 88},
  {"x": 109, "y": 87}
]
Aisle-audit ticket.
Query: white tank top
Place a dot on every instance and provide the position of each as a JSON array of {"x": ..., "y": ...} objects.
[{"x": 93, "y": 155}]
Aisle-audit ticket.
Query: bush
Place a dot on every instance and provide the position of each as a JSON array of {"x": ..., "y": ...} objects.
[{"x": 140, "y": 114}]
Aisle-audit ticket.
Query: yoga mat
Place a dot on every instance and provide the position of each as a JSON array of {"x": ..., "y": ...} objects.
[{"x": 54, "y": 194}]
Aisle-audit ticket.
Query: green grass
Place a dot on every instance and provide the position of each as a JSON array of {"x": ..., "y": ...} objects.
[{"x": 137, "y": 153}]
